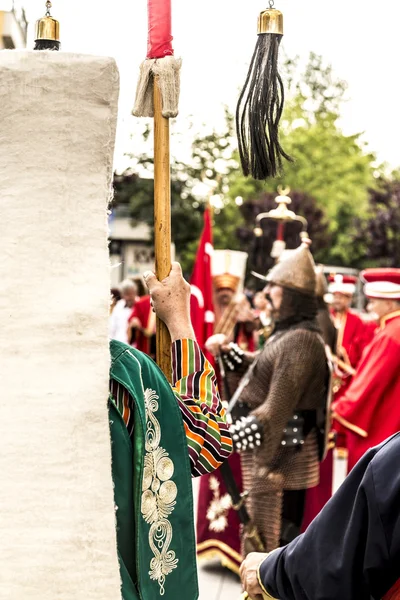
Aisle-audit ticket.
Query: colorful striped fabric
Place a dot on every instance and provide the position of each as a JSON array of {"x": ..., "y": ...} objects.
[
  {"x": 195, "y": 388},
  {"x": 123, "y": 401}
]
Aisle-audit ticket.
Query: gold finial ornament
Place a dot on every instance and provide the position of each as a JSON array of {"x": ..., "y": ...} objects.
[
  {"x": 270, "y": 21},
  {"x": 47, "y": 28},
  {"x": 47, "y": 31},
  {"x": 283, "y": 191},
  {"x": 281, "y": 213}
]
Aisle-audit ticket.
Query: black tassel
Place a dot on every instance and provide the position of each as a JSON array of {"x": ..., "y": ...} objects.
[
  {"x": 259, "y": 110},
  {"x": 47, "y": 45}
]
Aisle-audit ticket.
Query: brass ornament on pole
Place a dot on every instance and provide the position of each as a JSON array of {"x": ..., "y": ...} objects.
[
  {"x": 282, "y": 215},
  {"x": 47, "y": 31}
]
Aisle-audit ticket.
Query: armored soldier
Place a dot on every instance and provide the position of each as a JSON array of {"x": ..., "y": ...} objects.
[
  {"x": 318, "y": 496},
  {"x": 283, "y": 392}
]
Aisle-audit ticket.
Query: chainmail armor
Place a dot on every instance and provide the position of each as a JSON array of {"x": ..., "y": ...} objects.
[{"x": 290, "y": 375}]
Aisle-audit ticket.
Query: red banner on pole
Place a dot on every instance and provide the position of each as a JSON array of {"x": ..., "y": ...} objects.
[
  {"x": 159, "y": 40},
  {"x": 202, "y": 307}
]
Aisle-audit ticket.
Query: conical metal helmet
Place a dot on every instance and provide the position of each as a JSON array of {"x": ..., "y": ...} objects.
[
  {"x": 322, "y": 285},
  {"x": 296, "y": 271}
]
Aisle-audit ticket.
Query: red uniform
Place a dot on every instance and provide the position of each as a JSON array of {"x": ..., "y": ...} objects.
[
  {"x": 144, "y": 339},
  {"x": 353, "y": 336},
  {"x": 370, "y": 408}
]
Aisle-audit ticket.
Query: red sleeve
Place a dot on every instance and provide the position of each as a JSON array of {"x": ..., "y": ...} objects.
[
  {"x": 378, "y": 367},
  {"x": 139, "y": 311},
  {"x": 133, "y": 313},
  {"x": 357, "y": 337},
  {"x": 370, "y": 329}
]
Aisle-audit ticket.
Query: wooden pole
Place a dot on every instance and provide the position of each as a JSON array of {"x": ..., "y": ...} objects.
[
  {"x": 342, "y": 365},
  {"x": 162, "y": 221}
]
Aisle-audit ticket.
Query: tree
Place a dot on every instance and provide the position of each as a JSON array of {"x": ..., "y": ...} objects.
[
  {"x": 331, "y": 174},
  {"x": 335, "y": 169},
  {"x": 314, "y": 91},
  {"x": 192, "y": 185},
  {"x": 186, "y": 217},
  {"x": 377, "y": 238}
]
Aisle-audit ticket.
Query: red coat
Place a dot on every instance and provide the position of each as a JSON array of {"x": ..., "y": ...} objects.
[
  {"x": 370, "y": 408},
  {"x": 142, "y": 311},
  {"x": 353, "y": 336}
]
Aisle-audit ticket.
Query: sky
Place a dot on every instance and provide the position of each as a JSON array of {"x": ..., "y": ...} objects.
[{"x": 216, "y": 38}]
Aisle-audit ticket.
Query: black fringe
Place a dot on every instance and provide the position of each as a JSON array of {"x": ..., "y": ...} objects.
[
  {"x": 47, "y": 45},
  {"x": 259, "y": 110}
]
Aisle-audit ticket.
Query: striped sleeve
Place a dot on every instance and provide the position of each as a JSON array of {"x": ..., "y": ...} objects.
[
  {"x": 195, "y": 387},
  {"x": 124, "y": 403}
]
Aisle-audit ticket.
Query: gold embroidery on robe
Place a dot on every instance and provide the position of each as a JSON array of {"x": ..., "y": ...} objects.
[{"x": 158, "y": 495}]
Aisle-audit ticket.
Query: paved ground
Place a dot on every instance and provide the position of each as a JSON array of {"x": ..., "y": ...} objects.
[{"x": 217, "y": 583}]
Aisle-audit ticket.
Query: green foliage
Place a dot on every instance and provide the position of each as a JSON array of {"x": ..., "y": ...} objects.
[
  {"x": 212, "y": 158},
  {"x": 314, "y": 91},
  {"x": 335, "y": 169},
  {"x": 191, "y": 187},
  {"x": 331, "y": 171},
  {"x": 377, "y": 238},
  {"x": 186, "y": 213}
]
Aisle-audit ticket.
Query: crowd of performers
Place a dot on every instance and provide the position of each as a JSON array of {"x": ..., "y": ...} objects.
[{"x": 302, "y": 375}]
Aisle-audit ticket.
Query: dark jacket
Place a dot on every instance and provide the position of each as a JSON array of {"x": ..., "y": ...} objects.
[{"x": 352, "y": 549}]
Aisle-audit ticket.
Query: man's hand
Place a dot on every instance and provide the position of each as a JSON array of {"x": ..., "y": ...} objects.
[
  {"x": 170, "y": 299},
  {"x": 215, "y": 343},
  {"x": 248, "y": 574},
  {"x": 135, "y": 323}
]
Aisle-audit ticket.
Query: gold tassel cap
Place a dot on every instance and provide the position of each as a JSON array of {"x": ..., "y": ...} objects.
[
  {"x": 270, "y": 21},
  {"x": 47, "y": 28}
]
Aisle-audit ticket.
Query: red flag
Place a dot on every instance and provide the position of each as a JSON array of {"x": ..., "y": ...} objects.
[
  {"x": 201, "y": 301},
  {"x": 159, "y": 40}
]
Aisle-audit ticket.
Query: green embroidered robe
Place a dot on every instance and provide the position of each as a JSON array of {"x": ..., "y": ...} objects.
[{"x": 152, "y": 485}]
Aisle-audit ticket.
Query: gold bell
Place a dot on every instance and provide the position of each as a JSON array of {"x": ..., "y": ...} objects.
[
  {"x": 47, "y": 28},
  {"x": 270, "y": 21}
]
